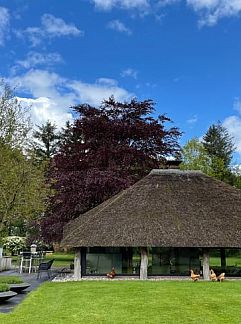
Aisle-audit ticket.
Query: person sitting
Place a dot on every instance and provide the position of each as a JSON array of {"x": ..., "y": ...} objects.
[{"x": 111, "y": 274}]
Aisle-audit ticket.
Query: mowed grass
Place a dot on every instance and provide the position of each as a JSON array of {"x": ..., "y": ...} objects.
[
  {"x": 130, "y": 302},
  {"x": 230, "y": 261},
  {"x": 61, "y": 259}
]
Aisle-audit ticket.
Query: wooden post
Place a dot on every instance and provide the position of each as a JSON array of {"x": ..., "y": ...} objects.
[
  {"x": 144, "y": 264},
  {"x": 206, "y": 271},
  {"x": 77, "y": 264}
]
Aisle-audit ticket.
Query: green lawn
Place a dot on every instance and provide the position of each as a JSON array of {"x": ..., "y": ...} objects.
[
  {"x": 231, "y": 261},
  {"x": 122, "y": 302},
  {"x": 61, "y": 259}
]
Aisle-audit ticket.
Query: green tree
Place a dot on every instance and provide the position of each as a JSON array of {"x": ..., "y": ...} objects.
[
  {"x": 219, "y": 146},
  {"x": 14, "y": 119},
  {"x": 66, "y": 135},
  {"x": 195, "y": 157},
  {"x": 46, "y": 143},
  {"x": 212, "y": 156},
  {"x": 23, "y": 190}
]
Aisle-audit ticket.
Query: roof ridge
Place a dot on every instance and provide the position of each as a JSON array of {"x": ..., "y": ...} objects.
[{"x": 175, "y": 171}]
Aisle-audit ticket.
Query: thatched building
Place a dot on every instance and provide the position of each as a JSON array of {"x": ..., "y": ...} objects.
[{"x": 174, "y": 216}]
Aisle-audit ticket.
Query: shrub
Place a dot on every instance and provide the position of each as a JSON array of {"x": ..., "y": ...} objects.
[
  {"x": 14, "y": 244},
  {"x": 10, "y": 280},
  {"x": 4, "y": 287}
]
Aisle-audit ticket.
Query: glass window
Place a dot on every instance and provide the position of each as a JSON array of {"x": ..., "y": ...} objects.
[
  {"x": 99, "y": 261},
  {"x": 173, "y": 261}
]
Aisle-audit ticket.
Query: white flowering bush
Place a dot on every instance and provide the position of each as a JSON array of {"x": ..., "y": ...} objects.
[{"x": 14, "y": 244}]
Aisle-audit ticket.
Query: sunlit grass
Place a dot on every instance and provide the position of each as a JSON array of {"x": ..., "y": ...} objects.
[{"x": 122, "y": 302}]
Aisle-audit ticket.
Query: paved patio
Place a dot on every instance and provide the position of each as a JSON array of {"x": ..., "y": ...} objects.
[{"x": 9, "y": 305}]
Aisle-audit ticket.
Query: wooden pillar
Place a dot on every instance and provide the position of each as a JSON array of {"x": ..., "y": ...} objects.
[
  {"x": 223, "y": 259},
  {"x": 206, "y": 270},
  {"x": 77, "y": 264},
  {"x": 83, "y": 261},
  {"x": 144, "y": 264}
]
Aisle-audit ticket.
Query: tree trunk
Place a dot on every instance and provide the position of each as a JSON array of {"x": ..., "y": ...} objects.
[
  {"x": 77, "y": 264},
  {"x": 144, "y": 264},
  {"x": 206, "y": 270}
]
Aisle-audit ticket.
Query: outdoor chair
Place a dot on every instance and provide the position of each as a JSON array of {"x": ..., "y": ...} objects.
[
  {"x": 25, "y": 261},
  {"x": 65, "y": 271},
  {"x": 45, "y": 266}
]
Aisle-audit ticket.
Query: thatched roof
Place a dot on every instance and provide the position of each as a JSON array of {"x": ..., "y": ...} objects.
[{"x": 167, "y": 208}]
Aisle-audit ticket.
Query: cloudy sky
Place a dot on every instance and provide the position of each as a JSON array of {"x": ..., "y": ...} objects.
[{"x": 183, "y": 54}]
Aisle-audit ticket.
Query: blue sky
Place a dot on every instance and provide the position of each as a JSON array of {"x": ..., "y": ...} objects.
[{"x": 183, "y": 54}]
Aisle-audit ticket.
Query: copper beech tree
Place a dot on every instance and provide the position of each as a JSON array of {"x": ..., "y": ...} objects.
[{"x": 106, "y": 150}]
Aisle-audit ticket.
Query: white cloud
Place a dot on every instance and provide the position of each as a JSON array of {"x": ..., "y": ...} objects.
[
  {"x": 124, "y": 4},
  {"x": 95, "y": 93},
  {"x": 163, "y": 3},
  {"x": 50, "y": 95},
  {"x": 44, "y": 109},
  {"x": 192, "y": 120},
  {"x": 4, "y": 24},
  {"x": 47, "y": 95},
  {"x": 107, "y": 82},
  {"x": 237, "y": 105},
  {"x": 211, "y": 11},
  {"x": 233, "y": 125},
  {"x": 51, "y": 27},
  {"x": 56, "y": 27},
  {"x": 119, "y": 26},
  {"x": 129, "y": 73},
  {"x": 34, "y": 59},
  {"x": 203, "y": 4}
]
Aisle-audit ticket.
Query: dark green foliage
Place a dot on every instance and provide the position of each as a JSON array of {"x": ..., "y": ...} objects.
[
  {"x": 67, "y": 135},
  {"x": 219, "y": 146},
  {"x": 47, "y": 141}
]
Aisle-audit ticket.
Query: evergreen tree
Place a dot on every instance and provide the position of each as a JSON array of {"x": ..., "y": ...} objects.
[
  {"x": 47, "y": 141},
  {"x": 66, "y": 135},
  {"x": 219, "y": 146}
]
